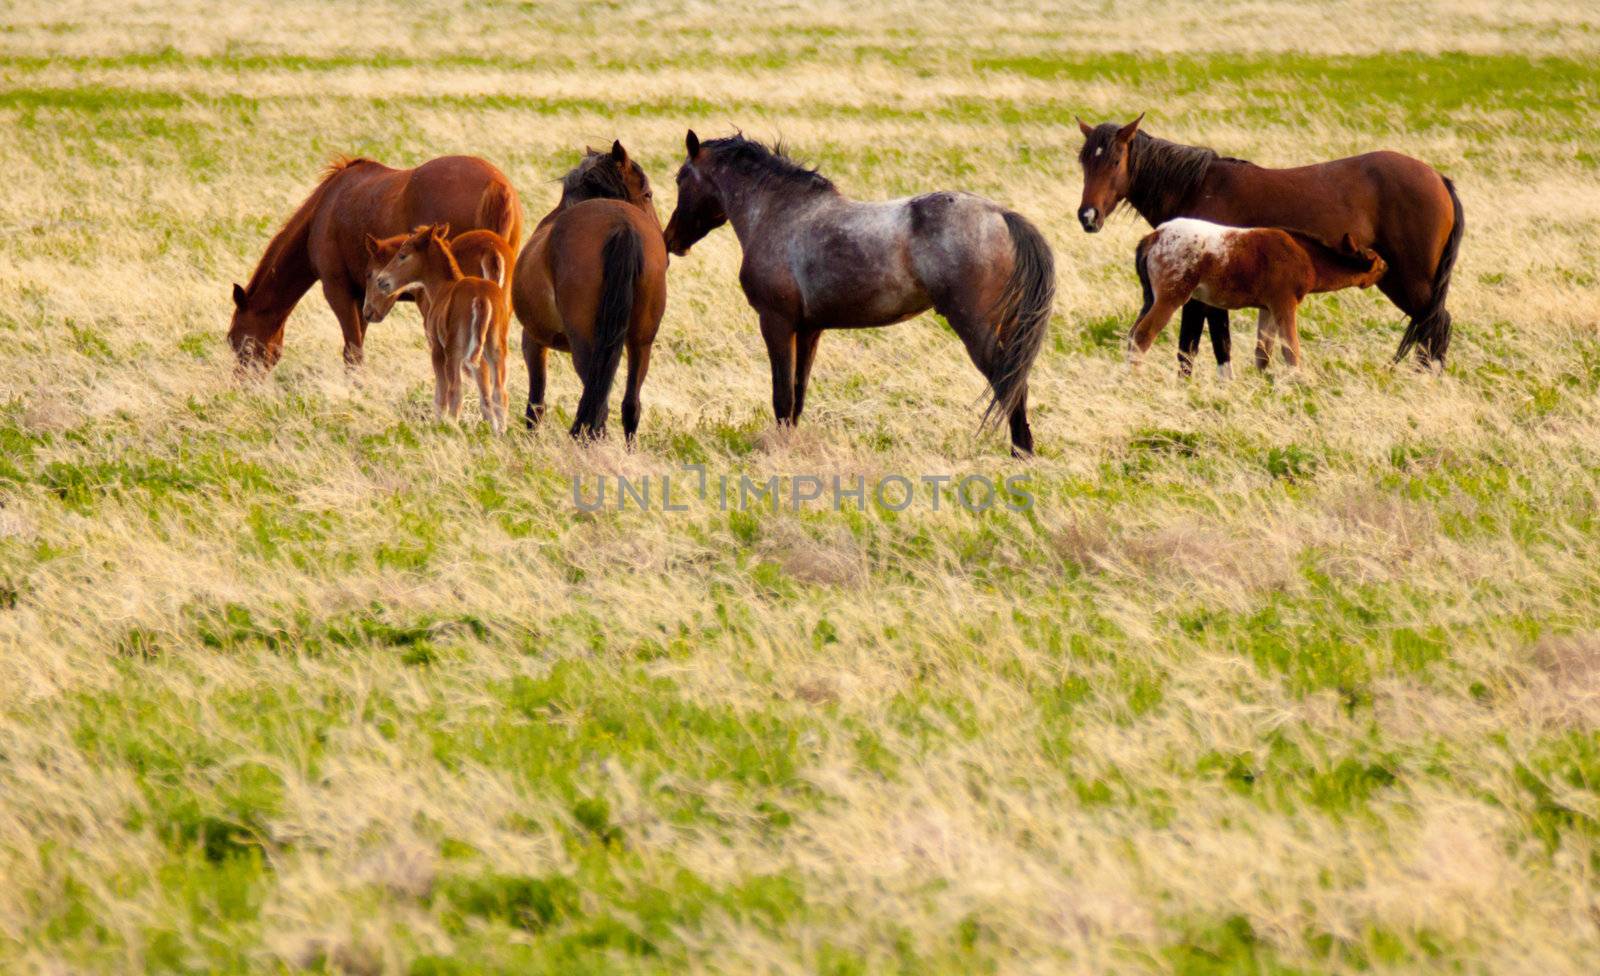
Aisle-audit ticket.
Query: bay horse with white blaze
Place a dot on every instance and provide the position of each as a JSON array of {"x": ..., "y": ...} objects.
[
  {"x": 593, "y": 280},
  {"x": 325, "y": 240},
  {"x": 814, "y": 259},
  {"x": 1265, "y": 268},
  {"x": 1400, "y": 207}
]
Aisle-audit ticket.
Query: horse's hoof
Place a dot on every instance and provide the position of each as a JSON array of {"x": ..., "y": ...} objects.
[{"x": 1224, "y": 372}]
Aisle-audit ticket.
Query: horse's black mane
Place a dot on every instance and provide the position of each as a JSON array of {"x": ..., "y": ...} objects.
[
  {"x": 1163, "y": 175},
  {"x": 750, "y": 158},
  {"x": 594, "y": 178}
]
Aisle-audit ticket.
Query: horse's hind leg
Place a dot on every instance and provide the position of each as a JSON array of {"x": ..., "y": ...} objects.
[
  {"x": 537, "y": 358},
  {"x": 1150, "y": 324},
  {"x": 441, "y": 380},
  {"x": 779, "y": 334},
  {"x": 805, "y": 354},
  {"x": 638, "y": 366}
]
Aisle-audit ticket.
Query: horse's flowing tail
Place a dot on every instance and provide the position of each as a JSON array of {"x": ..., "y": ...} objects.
[
  {"x": 1431, "y": 326},
  {"x": 1021, "y": 315},
  {"x": 621, "y": 264},
  {"x": 500, "y": 211}
]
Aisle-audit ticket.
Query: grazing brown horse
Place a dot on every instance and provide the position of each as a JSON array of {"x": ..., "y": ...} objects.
[
  {"x": 815, "y": 259},
  {"x": 481, "y": 253},
  {"x": 1264, "y": 268},
  {"x": 325, "y": 239},
  {"x": 593, "y": 280},
  {"x": 1398, "y": 206},
  {"x": 466, "y": 321}
]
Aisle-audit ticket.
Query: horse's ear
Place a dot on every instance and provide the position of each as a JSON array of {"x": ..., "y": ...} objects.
[
  {"x": 441, "y": 231},
  {"x": 691, "y": 142},
  {"x": 1125, "y": 133},
  {"x": 372, "y": 246},
  {"x": 619, "y": 155},
  {"x": 238, "y": 296},
  {"x": 1085, "y": 128}
]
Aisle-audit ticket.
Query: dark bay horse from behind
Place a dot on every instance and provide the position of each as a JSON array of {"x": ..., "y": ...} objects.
[
  {"x": 1400, "y": 207},
  {"x": 325, "y": 240},
  {"x": 814, "y": 259},
  {"x": 593, "y": 281}
]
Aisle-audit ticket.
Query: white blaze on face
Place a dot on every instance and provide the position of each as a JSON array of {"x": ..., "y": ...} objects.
[{"x": 1181, "y": 246}]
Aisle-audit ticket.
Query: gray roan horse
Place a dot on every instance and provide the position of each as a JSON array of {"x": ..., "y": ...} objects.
[{"x": 815, "y": 259}]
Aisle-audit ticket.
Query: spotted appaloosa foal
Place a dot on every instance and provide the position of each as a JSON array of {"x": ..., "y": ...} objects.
[
  {"x": 1266, "y": 268},
  {"x": 466, "y": 322}
]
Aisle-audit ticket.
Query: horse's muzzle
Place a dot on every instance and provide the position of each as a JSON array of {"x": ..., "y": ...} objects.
[{"x": 1091, "y": 219}]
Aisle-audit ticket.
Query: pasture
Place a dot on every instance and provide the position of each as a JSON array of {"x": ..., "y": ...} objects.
[{"x": 1283, "y": 674}]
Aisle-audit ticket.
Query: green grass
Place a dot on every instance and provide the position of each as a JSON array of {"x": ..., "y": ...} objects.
[{"x": 1274, "y": 676}]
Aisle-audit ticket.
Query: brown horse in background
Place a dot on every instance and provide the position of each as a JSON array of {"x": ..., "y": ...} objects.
[
  {"x": 593, "y": 280},
  {"x": 1400, "y": 207},
  {"x": 325, "y": 240},
  {"x": 480, "y": 253}
]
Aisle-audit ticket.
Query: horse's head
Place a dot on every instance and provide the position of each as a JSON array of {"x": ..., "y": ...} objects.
[
  {"x": 255, "y": 332},
  {"x": 376, "y": 304},
  {"x": 700, "y": 209},
  {"x": 410, "y": 261},
  {"x": 1370, "y": 264},
  {"x": 1106, "y": 170},
  {"x": 609, "y": 175}
]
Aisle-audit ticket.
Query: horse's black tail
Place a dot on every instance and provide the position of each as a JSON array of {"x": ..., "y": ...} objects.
[
  {"x": 1431, "y": 326},
  {"x": 1021, "y": 315},
  {"x": 621, "y": 262},
  {"x": 1141, "y": 264}
]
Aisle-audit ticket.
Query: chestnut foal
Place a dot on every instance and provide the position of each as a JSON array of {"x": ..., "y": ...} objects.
[
  {"x": 466, "y": 321},
  {"x": 479, "y": 252},
  {"x": 1266, "y": 268}
]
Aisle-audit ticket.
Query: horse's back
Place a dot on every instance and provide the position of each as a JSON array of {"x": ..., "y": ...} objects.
[{"x": 560, "y": 275}]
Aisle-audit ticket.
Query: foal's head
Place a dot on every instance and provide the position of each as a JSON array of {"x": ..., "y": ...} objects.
[
  {"x": 1107, "y": 171},
  {"x": 608, "y": 176},
  {"x": 376, "y": 304},
  {"x": 412, "y": 258}
]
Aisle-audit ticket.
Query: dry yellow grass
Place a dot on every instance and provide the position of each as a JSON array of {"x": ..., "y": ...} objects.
[{"x": 1275, "y": 676}]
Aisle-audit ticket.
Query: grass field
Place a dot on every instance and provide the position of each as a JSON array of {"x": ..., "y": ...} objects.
[{"x": 1275, "y": 676}]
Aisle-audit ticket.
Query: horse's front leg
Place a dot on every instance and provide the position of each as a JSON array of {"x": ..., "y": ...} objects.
[
  {"x": 1190, "y": 325},
  {"x": 805, "y": 354},
  {"x": 779, "y": 333},
  {"x": 346, "y": 304},
  {"x": 1221, "y": 341}
]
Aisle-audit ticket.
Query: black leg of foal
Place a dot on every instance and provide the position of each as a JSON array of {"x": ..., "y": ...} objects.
[
  {"x": 1221, "y": 340},
  {"x": 1189, "y": 329}
]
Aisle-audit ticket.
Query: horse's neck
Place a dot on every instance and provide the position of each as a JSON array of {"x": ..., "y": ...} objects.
[
  {"x": 751, "y": 209},
  {"x": 284, "y": 273},
  {"x": 440, "y": 272}
]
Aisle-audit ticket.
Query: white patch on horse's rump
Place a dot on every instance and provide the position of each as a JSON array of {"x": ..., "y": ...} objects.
[{"x": 1181, "y": 244}]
